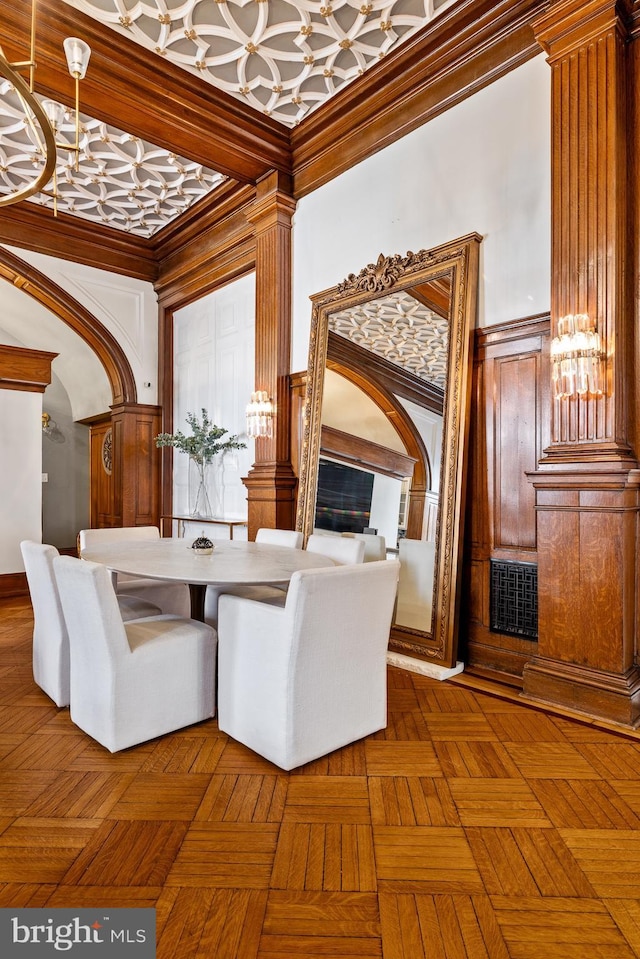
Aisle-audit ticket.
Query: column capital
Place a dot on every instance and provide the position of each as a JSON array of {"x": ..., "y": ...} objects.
[{"x": 570, "y": 24}]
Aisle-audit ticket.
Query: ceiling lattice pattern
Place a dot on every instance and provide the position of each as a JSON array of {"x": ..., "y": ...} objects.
[
  {"x": 400, "y": 329},
  {"x": 121, "y": 181},
  {"x": 281, "y": 58}
]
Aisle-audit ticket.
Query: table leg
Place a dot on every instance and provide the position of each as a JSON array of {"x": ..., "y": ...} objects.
[{"x": 197, "y": 593}]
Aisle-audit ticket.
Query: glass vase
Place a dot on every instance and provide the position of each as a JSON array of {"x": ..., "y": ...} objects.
[{"x": 199, "y": 499}]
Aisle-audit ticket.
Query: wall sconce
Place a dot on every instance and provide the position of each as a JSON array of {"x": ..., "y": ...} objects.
[
  {"x": 260, "y": 413},
  {"x": 577, "y": 357},
  {"x": 50, "y": 429}
]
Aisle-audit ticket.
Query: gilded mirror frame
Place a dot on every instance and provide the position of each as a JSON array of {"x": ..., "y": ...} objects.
[{"x": 460, "y": 260}]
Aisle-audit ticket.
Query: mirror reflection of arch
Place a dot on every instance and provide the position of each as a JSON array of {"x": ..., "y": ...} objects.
[{"x": 397, "y": 337}]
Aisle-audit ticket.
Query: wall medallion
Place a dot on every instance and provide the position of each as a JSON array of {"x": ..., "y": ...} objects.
[{"x": 107, "y": 451}]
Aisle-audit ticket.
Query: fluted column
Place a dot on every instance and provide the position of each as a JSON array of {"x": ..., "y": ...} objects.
[
  {"x": 588, "y": 47},
  {"x": 271, "y": 482},
  {"x": 587, "y": 484}
]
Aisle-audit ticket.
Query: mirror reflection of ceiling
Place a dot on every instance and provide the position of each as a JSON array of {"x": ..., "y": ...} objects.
[
  {"x": 400, "y": 329},
  {"x": 281, "y": 58}
]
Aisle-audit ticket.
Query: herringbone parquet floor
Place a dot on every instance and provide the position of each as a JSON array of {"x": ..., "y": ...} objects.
[{"x": 473, "y": 826}]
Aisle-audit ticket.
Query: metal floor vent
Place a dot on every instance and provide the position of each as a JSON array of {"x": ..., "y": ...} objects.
[{"x": 514, "y": 599}]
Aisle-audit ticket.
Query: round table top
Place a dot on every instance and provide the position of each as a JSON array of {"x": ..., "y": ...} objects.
[{"x": 230, "y": 562}]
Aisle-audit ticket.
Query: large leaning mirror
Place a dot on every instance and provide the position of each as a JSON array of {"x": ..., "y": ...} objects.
[{"x": 385, "y": 430}]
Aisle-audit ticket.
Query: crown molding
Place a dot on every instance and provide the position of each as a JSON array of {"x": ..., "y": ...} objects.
[
  {"x": 462, "y": 51},
  {"x": 215, "y": 245},
  {"x": 32, "y": 227}
]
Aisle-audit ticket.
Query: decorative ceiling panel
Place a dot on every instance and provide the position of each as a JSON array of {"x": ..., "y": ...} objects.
[
  {"x": 283, "y": 59},
  {"x": 121, "y": 180},
  {"x": 400, "y": 329}
]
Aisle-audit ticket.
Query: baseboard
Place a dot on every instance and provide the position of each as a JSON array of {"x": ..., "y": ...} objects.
[
  {"x": 424, "y": 668},
  {"x": 13, "y": 584}
]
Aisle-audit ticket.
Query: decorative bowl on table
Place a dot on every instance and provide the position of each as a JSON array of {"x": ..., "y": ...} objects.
[{"x": 202, "y": 546}]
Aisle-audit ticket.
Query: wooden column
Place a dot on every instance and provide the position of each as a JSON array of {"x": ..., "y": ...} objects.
[
  {"x": 271, "y": 483},
  {"x": 135, "y": 465},
  {"x": 587, "y": 486}
]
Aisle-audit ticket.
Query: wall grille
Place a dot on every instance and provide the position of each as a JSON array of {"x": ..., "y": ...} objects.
[{"x": 514, "y": 599}]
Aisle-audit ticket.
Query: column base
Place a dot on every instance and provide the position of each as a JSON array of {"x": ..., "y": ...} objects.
[
  {"x": 614, "y": 697},
  {"x": 271, "y": 497}
]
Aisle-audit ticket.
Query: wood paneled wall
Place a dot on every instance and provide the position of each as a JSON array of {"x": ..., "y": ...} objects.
[
  {"x": 128, "y": 494},
  {"x": 509, "y": 430}
]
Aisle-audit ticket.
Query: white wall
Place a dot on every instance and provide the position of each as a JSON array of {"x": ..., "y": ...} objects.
[
  {"x": 127, "y": 307},
  {"x": 482, "y": 166},
  {"x": 429, "y": 426},
  {"x": 20, "y": 474},
  {"x": 214, "y": 368},
  {"x": 346, "y": 407},
  {"x": 65, "y": 461},
  {"x": 25, "y": 322}
]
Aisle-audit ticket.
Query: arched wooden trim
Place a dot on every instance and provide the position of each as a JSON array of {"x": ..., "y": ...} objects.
[
  {"x": 84, "y": 323},
  {"x": 406, "y": 430}
]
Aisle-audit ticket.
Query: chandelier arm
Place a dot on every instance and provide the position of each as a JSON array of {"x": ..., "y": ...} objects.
[{"x": 50, "y": 156}]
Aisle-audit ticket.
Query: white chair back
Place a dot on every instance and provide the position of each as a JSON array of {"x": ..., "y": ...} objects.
[
  {"x": 116, "y": 534},
  {"x": 168, "y": 596},
  {"x": 297, "y": 682},
  {"x": 50, "y": 637},
  {"x": 131, "y": 683},
  {"x": 344, "y": 551},
  {"x": 375, "y": 547},
  {"x": 280, "y": 537},
  {"x": 92, "y": 615}
]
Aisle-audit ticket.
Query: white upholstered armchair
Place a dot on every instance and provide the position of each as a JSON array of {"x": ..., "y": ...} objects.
[
  {"x": 375, "y": 546},
  {"x": 266, "y": 594},
  {"x": 297, "y": 682},
  {"x": 50, "y": 653},
  {"x": 170, "y": 597},
  {"x": 341, "y": 549},
  {"x": 131, "y": 682}
]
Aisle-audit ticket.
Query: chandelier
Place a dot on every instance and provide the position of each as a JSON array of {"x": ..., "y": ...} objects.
[{"x": 42, "y": 120}]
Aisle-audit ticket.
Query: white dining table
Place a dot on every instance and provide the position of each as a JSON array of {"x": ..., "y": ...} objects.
[{"x": 232, "y": 563}]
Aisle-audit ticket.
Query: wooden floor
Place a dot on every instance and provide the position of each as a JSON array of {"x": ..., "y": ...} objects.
[{"x": 473, "y": 826}]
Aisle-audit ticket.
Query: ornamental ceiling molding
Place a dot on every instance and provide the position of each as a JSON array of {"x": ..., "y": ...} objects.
[
  {"x": 121, "y": 180},
  {"x": 402, "y": 331},
  {"x": 283, "y": 59}
]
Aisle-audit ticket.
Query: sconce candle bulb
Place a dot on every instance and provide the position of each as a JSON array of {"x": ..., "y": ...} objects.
[
  {"x": 260, "y": 415},
  {"x": 577, "y": 358}
]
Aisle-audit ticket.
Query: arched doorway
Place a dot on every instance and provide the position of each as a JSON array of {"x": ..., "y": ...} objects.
[{"x": 127, "y": 493}]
